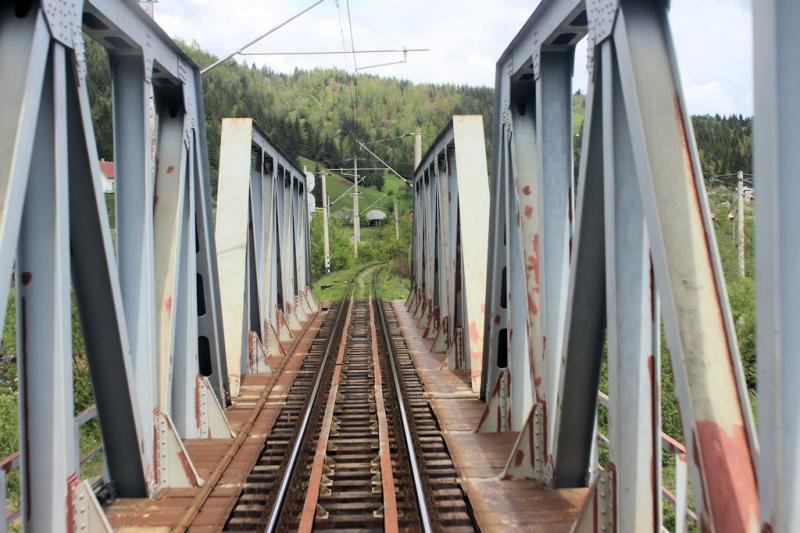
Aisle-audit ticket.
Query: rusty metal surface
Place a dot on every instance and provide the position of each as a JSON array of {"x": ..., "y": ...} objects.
[
  {"x": 352, "y": 480},
  {"x": 315, "y": 479},
  {"x": 515, "y": 505},
  {"x": 440, "y": 380},
  {"x": 481, "y": 458},
  {"x": 387, "y": 479},
  {"x": 451, "y": 197},
  {"x": 166, "y": 511}
]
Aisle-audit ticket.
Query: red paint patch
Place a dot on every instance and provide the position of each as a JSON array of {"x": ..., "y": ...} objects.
[
  {"x": 526, "y": 190},
  {"x": 726, "y": 467},
  {"x": 168, "y": 304},
  {"x": 496, "y": 319},
  {"x": 26, "y": 278},
  {"x": 474, "y": 334},
  {"x": 518, "y": 457},
  {"x": 528, "y": 211},
  {"x": 170, "y": 169}
]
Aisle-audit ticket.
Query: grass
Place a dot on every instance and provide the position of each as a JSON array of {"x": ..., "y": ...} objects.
[
  {"x": 336, "y": 283},
  {"x": 390, "y": 286}
]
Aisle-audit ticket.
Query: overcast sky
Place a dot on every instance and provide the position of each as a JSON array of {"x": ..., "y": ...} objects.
[{"x": 713, "y": 39}]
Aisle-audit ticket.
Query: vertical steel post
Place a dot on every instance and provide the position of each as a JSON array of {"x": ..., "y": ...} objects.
[
  {"x": 134, "y": 128},
  {"x": 44, "y": 317},
  {"x": 553, "y": 104},
  {"x": 776, "y": 137},
  {"x": 634, "y": 436}
]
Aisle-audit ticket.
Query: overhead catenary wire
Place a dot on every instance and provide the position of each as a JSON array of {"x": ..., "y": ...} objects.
[
  {"x": 254, "y": 41},
  {"x": 337, "y": 52}
]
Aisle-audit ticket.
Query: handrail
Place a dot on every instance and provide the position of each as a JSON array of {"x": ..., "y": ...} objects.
[
  {"x": 412, "y": 457},
  {"x": 670, "y": 445},
  {"x": 13, "y": 461}
]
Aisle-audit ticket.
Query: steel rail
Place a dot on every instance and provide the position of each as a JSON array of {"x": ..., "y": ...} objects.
[
  {"x": 214, "y": 478},
  {"x": 283, "y": 488},
  {"x": 317, "y": 467},
  {"x": 419, "y": 491}
]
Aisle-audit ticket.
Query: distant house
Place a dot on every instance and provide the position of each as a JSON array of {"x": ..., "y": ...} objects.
[
  {"x": 107, "y": 173},
  {"x": 375, "y": 217}
]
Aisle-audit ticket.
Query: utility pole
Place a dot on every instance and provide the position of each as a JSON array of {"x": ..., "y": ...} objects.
[
  {"x": 396, "y": 222},
  {"x": 147, "y": 5},
  {"x": 740, "y": 221},
  {"x": 326, "y": 245},
  {"x": 417, "y": 148},
  {"x": 356, "y": 220}
]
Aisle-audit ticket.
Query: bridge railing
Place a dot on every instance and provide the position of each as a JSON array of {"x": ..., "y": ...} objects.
[
  {"x": 12, "y": 463},
  {"x": 678, "y": 495}
]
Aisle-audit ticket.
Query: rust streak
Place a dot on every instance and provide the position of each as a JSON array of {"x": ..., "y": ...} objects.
[
  {"x": 317, "y": 467},
  {"x": 390, "y": 518}
]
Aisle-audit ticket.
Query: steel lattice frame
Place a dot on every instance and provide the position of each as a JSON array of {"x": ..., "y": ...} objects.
[
  {"x": 451, "y": 196},
  {"x": 265, "y": 268},
  {"x": 153, "y": 334},
  {"x": 557, "y": 285}
]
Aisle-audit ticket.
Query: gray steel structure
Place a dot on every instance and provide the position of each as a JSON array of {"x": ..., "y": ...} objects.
[
  {"x": 776, "y": 135},
  {"x": 635, "y": 247},
  {"x": 451, "y": 197},
  {"x": 149, "y": 299},
  {"x": 264, "y": 264}
]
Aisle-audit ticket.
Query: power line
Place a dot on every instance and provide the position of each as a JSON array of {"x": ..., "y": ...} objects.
[
  {"x": 336, "y": 52},
  {"x": 254, "y": 41}
]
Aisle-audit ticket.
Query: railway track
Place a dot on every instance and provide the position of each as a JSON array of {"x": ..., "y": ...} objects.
[{"x": 357, "y": 446}]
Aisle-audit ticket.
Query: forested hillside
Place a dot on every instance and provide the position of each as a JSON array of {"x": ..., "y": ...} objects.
[{"x": 310, "y": 113}]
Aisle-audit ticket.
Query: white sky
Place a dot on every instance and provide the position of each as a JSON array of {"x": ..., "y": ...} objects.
[{"x": 713, "y": 39}]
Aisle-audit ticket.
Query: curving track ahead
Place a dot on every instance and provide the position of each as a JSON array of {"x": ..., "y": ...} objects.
[{"x": 357, "y": 447}]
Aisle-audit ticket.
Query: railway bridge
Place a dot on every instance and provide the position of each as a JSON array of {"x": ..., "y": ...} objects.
[{"x": 519, "y": 387}]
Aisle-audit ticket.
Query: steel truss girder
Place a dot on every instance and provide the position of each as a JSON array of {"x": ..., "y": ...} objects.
[
  {"x": 451, "y": 193},
  {"x": 262, "y": 217},
  {"x": 641, "y": 202},
  {"x": 138, "y": 311}
]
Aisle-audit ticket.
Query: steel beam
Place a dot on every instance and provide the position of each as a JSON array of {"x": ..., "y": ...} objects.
[
  {"x": 450, "y": 221},
  {"x": 640, "y": 196},
  {"x": 54, "y": 223},
  {"x": 261, "y": 233},
  {"x": 776, "y": 133}
]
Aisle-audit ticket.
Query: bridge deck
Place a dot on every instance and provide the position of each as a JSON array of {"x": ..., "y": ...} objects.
[
  {"x": 497, "y": 505},
  {"x": 165, "y": 511}
]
